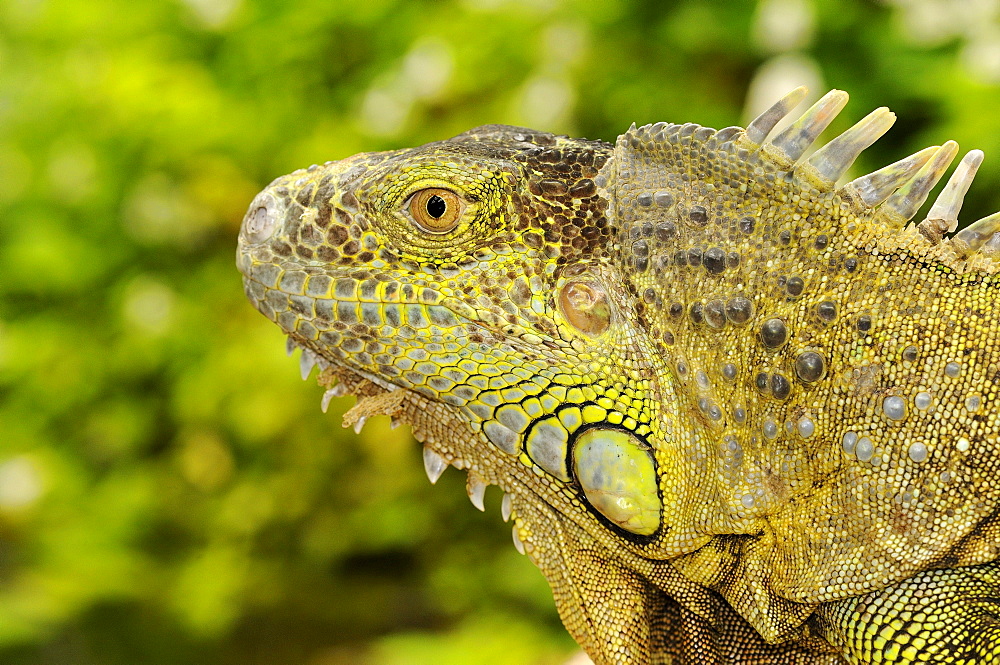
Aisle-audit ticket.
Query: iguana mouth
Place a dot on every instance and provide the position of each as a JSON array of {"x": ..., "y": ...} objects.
[
  {"x": 321, "y": 297},
  {"x": 336, "y": 314}
]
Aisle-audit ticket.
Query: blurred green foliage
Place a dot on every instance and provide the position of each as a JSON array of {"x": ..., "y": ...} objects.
[{"x": 169, "y": 491}]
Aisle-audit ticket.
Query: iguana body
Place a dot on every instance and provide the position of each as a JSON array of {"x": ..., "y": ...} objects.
[{"x": 741, "y": 415}]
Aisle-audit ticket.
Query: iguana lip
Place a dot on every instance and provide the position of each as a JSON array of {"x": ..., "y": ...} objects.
[{"x": 328, "y": 302}]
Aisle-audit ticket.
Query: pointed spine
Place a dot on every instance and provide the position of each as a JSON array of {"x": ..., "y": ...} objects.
[
  {"x": 476, "y": 488},
  {"x": 306, "y": 362},
  {"x": 762, "y": 125},
  {"x": 518, "y": 544},
  {"x": 876, "y": 187},
  {"x": 904, "y": 203},
  {"x": 972, "y": 238},
  {"x": 787, "y": 147},
  {"x": 434, "y": 464},
  {"x": 329, "y": 394},
  {"x": 506, "y": 508},
  {"x": 832, "y": 161},
  {"x": 943, "y": 215}
]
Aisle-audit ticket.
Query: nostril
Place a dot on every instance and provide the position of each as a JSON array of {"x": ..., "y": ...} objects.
[{"x": 261, "y": 220}]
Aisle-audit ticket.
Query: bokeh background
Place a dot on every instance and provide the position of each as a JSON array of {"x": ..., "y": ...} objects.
[{"x": 169, "y": 491}]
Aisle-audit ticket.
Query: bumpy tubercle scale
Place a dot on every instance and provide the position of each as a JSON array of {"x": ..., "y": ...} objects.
[{"x": 813, "y": 379}]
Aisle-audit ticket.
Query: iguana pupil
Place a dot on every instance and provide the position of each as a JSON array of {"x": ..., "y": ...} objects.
[{"x": 436, "y": 207}]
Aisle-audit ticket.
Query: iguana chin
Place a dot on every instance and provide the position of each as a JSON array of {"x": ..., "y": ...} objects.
[{"x": 741, "y": 414}]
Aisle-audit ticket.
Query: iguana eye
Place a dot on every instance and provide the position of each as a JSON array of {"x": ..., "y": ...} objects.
[{"x": 436, "y": 210}]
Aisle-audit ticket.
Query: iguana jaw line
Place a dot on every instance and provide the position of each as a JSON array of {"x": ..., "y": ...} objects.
[
  {"x": 514, "y": 479},
  {"x": 341, "y": 379}
]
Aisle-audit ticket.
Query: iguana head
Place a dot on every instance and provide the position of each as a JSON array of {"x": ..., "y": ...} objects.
[{"x": 477, "y": 274}]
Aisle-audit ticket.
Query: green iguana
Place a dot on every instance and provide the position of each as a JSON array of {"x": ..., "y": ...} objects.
[{"x": 741, "y": 414}]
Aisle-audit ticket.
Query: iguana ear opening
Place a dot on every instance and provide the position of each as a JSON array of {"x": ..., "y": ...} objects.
[{"x": 584, "y": 305}]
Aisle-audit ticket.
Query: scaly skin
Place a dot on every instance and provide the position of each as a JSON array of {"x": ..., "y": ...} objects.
[{"x": 741, "y": 415}]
